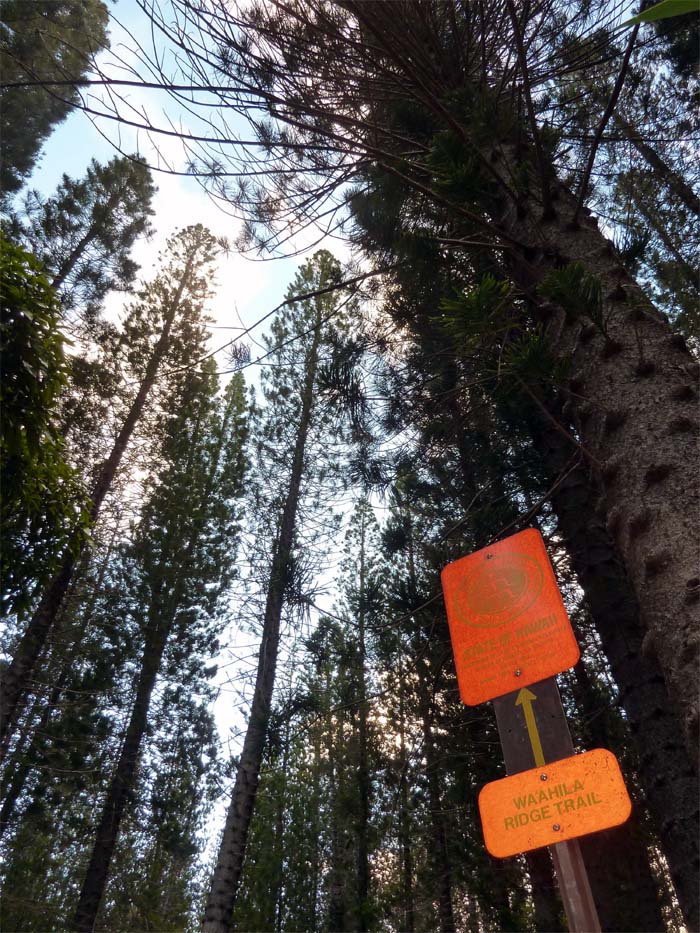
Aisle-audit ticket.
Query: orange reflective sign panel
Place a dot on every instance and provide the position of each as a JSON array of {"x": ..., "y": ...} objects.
[
  {"x": 553, "y": 803},
  {"x": 508, "y": 623}
]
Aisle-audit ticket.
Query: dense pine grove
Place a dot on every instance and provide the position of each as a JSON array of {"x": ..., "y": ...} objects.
[{"x": 228, "y": 698}]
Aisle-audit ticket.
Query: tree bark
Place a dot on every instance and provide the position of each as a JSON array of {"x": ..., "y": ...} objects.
[
  {"x": 120, "y": 788},
  {"x": 18, "y": 771},
  {"x": 163, "y": 611},
  {"x": 633, "y": 395},
  {"x": 666, "y": 772},
  {"x": 69, "y": 262},
  {"x": 624, "y": 887},
  {"x": 337, "y": 911},
  {"x": 227, "y": 872},
  {"x": 439, "y": 857},
  {"x": 16, "y": 679}
]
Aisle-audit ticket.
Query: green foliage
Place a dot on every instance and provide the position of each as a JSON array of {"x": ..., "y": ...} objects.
[
  {"x": 478, "y": 314},
  {"x": 167, "y": 582},
  {"x": 577, "y": 291},
  {"x": 528, "y": 360},
  {"x": 487, "y": 324},
  {"x": 664, "y": 10},
  {"x": 42, "y": 500},
  {"x": 458, "y": 173},
  {"x": 49, "y": 40},
  {"x": 84, "y": 233}
]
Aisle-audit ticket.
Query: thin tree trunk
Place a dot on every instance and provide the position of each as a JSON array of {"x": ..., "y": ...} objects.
[
  {"x": 17, "y": 678},
  {"x": 66, "y": 267},
  {"x": 227, "y": 873},
  {"x": 363, "y": 778},
  {"x": 404, "y": 818},
  {"x": 633, "y": 394},
  {"x": 161, "y": 618},
  {"x": 666, "y": 771},
  {"x": 19, "y": 766},
  {"x": 16, "y": 775},
  {"x": 278, "y": 884},
  {"x": 120, "y": 788},
  {"x": 673, "y": 181},
  {"x": 337, "y": 871},
  {"x": 690, "y": 274},
  {"x": 440, "y": 858},
  {"x": 316, "y": 829}
]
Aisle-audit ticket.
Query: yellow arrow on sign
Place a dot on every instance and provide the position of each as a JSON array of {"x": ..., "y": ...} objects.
[{"x": 525, "y": 698}]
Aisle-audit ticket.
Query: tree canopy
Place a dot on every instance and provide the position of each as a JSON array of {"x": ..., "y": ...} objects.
[{"x": 229, "y": 694}]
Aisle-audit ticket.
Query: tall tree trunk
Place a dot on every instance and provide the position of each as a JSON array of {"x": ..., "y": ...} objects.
[
  {"x": 624, "y": 887},
  {"x": 66, "y": 267},
  {"x": 163, "y": 611},
  {"x": 633, "y": 394},
  {"x": 278, "y": 883},
  {"x": 673, "y": 181},
  {"x": 68, "y": 264},
  {"x": 442, "y": 871},
  {"x": 404, "y": 818},
  {"x": 315, "y": 841},
  {"x": 690, "y": 274},
  {"x": 227, "y": 872},
  {"x": 17, "y": 772},
  {"x": 21, "y": 763},
  {"x": 120, "y": 787},
  {"x": 666, "y": 772},
  {"x": 337, "y": 873},
  {"x": 17, "y": 678},
  {"x": 363, "y": 778}
]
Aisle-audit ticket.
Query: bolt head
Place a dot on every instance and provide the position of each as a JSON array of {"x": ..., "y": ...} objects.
[
  {"x": 518, "y": 672},
  {"x": 556, "y": 827},
  {"x": 543, "y": 777}
]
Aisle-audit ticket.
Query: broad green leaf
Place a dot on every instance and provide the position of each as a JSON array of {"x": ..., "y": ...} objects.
[{"x": 664, "y": 10}]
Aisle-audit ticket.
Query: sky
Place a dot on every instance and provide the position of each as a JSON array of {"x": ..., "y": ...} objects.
[{"x": 245, "y": 289}]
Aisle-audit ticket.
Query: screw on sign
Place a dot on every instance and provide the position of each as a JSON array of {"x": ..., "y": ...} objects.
[
  {"x": 554, "y": 802},
  {"x": 508, "y": 624},
  {"x": 510, "y": 629}
]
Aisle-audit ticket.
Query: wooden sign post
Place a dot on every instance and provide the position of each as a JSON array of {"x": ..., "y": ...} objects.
[
  {"x": 532, "y": 728},
  {"x": 510, "y": 635}
]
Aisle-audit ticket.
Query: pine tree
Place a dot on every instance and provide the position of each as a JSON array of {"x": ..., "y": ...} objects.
[
  {"x": 296, "y": 454},
  {"x": 426, "y": 102},
  {"x": 42, "y": 40},
  {"x": 41, "y": 494},
  {"x": 170, "y": 304},
  {"x": 180, "y": 566},
  {"x": 84, "y": 234},
  {"x": 359, "y": 599}
]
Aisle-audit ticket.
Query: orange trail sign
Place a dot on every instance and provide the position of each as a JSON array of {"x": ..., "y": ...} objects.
[
  {"x": 553, "y": 803},
  {"x": 508, "y": 624}
]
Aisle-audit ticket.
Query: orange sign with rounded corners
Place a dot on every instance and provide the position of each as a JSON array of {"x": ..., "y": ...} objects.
[
  {"x": 555, "y": 802},
  {"x": 508, "y": 624}
]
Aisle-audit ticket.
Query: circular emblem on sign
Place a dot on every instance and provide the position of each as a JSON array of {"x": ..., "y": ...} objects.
[{"x": 499, "y": 590}]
